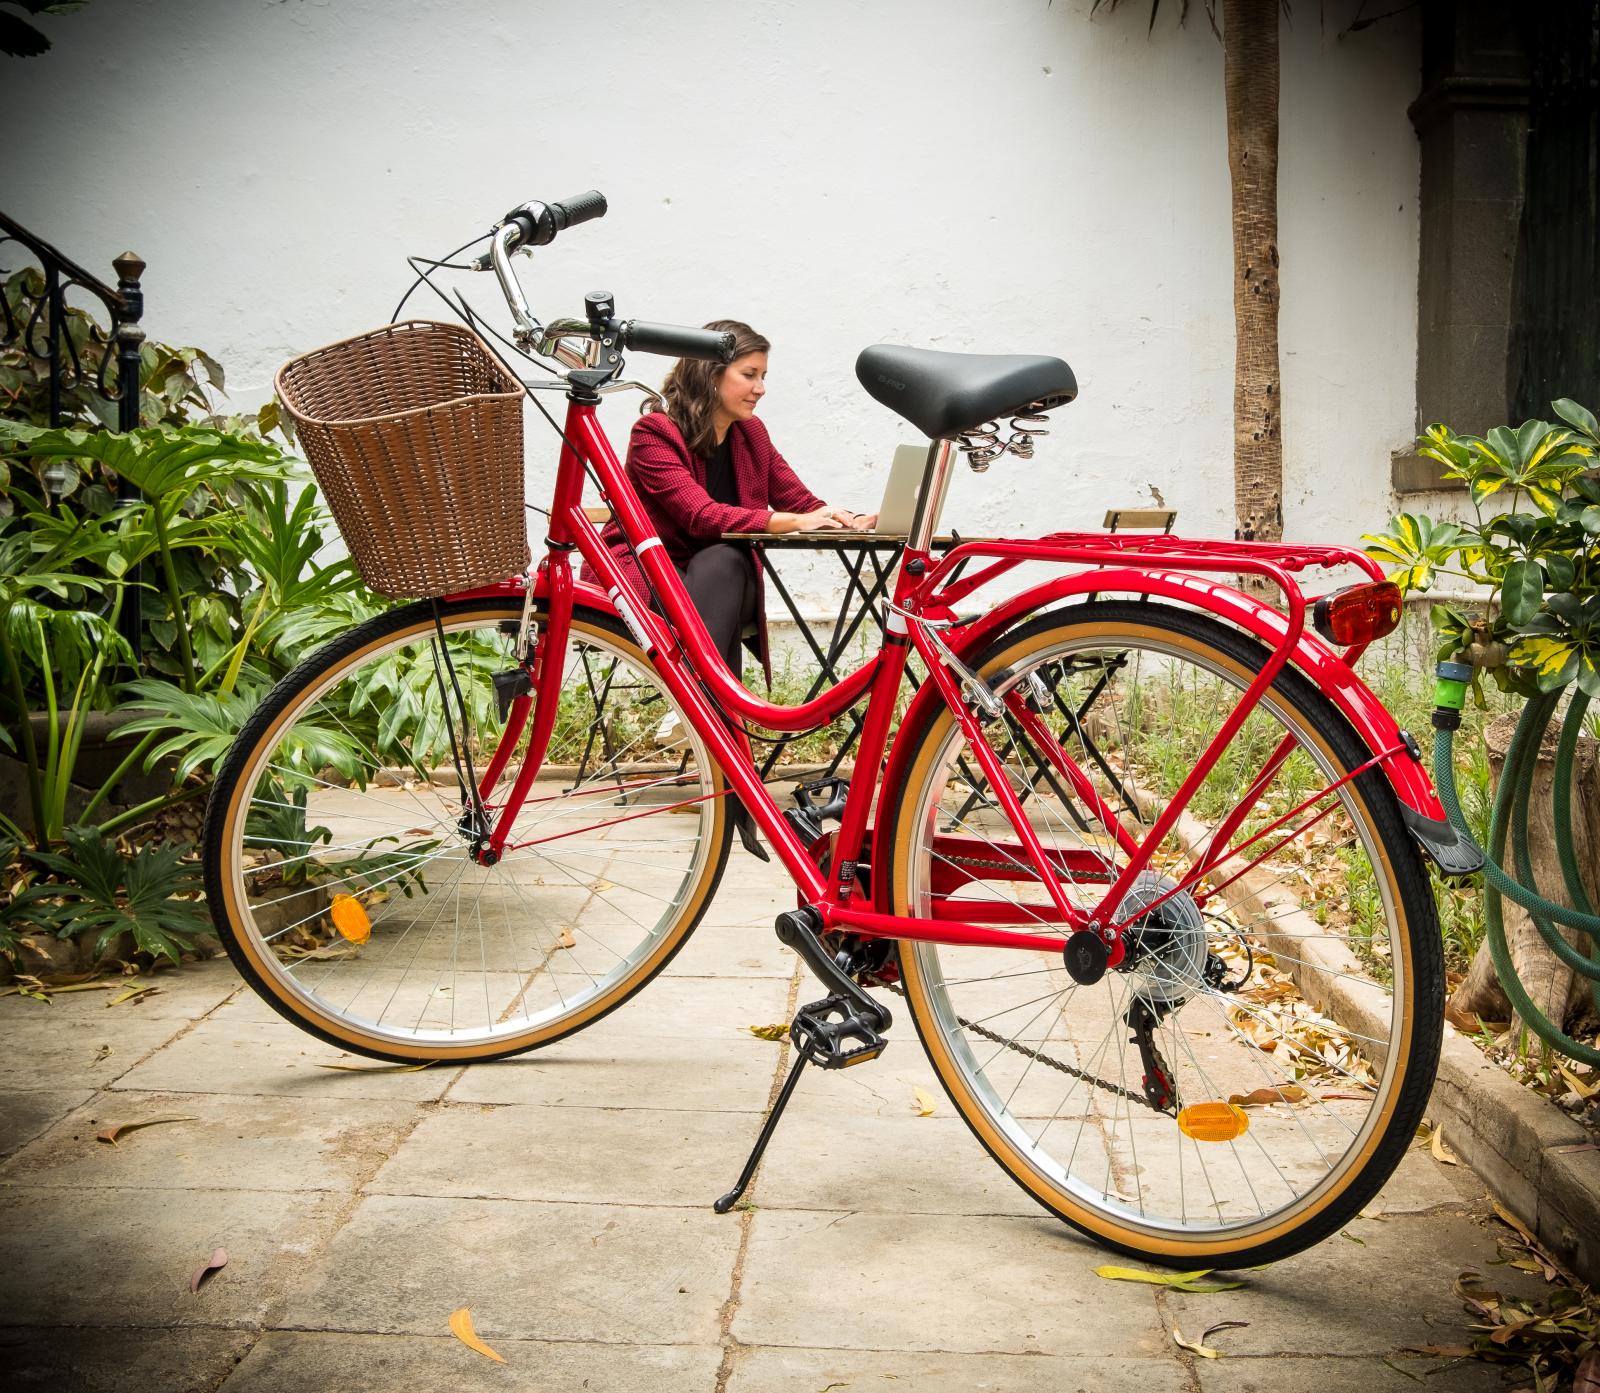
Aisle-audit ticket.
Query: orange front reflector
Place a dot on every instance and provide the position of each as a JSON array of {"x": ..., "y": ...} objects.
[
  {"x": 1358, "y": 613},
  {"x": 1213, "y": 1121},
  {"x": 349, "y": 916}
]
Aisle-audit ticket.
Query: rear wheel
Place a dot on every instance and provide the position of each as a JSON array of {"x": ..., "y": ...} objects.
[
  {"x": 338, "y": 862},
  {"x": 1290, "y": 1010}
]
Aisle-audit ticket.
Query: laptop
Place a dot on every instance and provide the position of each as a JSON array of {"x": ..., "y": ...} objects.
[{"x": 899, "y": 505}]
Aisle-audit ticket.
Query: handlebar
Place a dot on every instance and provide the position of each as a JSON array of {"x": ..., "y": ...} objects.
[{"x": 536, "y": 224}]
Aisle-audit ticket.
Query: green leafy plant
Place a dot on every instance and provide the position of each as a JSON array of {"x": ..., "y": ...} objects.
[
  {"x": 97, "y": 888},
  {"x": 1534, "y": 547},
  {"x": 278, "y": 824}
]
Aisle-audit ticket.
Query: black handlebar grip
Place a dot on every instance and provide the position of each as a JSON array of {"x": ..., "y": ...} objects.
[
  {"x": 539, "y": 222},
  {"x": 678, "y": 341},
  {"x": 583, "y": 207}
]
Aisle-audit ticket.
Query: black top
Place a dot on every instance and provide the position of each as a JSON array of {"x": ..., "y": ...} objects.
[{"x": 719, "y": 472}]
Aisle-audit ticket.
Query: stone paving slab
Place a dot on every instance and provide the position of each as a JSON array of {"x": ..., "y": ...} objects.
[
  {"x": 50, "y": 1359},
  {"x": 742, "y": 950},
  {"x": 898, "y": 1165},
  {"x": 231, "y": 1143},
  {"x": 302, "y": 1362},
  {"x": 1227, "y": 1375},
  {"x": 936, "y": 1282},
  {"x": 473, "y": 1151},
  {"x": 612, "y": 1274},
  {"x": 589, "y": 1071},
  {"x": 879, "y": 1371},
  {"x": 124, "y": 1257},
  {"x": 226, "y": 1053},
  {"x": 23, "y": 1116},
  {"x": 1370, "y": 1297},
  {"x": 53, "y": 1052}
]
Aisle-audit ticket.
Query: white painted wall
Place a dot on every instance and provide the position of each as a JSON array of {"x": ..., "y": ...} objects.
[{"x": 996, "y": 176}]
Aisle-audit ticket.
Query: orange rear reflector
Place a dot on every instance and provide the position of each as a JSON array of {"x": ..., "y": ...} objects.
[
  {"x": 1213, "y": 1121},
  {"x": 349, "y": 916},
  {"x": 1358, "y": 613}
]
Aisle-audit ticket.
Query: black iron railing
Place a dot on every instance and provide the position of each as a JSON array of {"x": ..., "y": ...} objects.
[{"x": 43, "y": 335}]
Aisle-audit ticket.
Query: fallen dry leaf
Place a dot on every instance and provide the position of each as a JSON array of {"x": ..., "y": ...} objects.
[
  {"x": 1441, "y": 1152},
  {"x": 1586, "y": 1378},
  {"x": 1194, "y": 1346},
  {"x": 381, "y": 1068},
  {"x": 566, "y": 940},
  {"x": 461, "y": 1328},
  {"x": 770, "y": 1032},
  {"x": 1264, "y": 1097},
  {"x": 116, "y": 1129},
  {"x": 924, "y": 1102},
  {"x": 136, "y": 991},
  {"x": 601, "y": 886},
  {"x": 215, "y": 1263},
  {"x": 1577, "y": 1085},
  {"x": 1178, "y": 1281}
]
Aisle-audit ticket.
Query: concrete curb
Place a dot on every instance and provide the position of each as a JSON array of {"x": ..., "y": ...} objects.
[{"x": 1525, "y": 1149}]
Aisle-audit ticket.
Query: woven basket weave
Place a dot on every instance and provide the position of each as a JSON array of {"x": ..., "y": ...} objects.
[{"x": 414, "y": 432}]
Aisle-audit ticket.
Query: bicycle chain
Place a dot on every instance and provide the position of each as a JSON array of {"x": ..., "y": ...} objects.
[{"x": 1070, "y": 1070}]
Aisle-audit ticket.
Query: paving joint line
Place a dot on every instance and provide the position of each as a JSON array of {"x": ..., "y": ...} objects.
[
  {"x": 746, "y": 1208},
  {"x": 1187, "y": 1361}
]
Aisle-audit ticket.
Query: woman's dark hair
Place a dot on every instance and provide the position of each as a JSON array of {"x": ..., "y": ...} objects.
[{"x": 690, "y": 393}]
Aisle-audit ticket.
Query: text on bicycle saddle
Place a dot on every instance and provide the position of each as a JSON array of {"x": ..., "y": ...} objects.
[{"x": 946, "y": 394}]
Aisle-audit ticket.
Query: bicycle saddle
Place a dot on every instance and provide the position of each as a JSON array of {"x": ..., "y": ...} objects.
[{"x": 945, "y": 394}]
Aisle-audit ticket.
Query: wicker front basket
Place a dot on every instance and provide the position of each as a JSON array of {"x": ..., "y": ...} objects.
[{"x": 414, "y": 432}]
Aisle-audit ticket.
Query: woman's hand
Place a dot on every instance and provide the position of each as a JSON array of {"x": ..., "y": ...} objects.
[
  {"x": 816, "y": 521},
  {"x": 856, "y": 522}
]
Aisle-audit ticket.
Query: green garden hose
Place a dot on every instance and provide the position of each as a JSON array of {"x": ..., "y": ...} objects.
[{"x": 1511, "y": 817}]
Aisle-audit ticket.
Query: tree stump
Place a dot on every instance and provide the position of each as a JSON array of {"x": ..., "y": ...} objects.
[{"x": 1562, "y": 994}]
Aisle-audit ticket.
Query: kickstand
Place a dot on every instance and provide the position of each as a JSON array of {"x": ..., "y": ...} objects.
[{"x": 801, "y": 1059}]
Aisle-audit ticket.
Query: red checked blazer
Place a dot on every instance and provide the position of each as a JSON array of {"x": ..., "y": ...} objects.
[{"x": 671, "y": 483}]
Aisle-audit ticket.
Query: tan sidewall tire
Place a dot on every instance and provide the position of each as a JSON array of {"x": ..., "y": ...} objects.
[
  {"x": 1415, "y": 1048},
  {"x": 228, "y": 801}
]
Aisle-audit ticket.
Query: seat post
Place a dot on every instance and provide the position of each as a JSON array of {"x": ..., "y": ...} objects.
[{"x": 930, "y": 498}]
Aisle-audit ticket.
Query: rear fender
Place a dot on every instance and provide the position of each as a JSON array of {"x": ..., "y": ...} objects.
[{"x": 1376, "y": 728}]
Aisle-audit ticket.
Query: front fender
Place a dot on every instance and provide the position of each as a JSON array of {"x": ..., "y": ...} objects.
[
  {"x": 1373, "y": 724},
  {"x": 583, "y": 593}
]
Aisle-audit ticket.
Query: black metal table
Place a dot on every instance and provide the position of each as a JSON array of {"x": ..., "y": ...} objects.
[{"x": 868, "y": 562}]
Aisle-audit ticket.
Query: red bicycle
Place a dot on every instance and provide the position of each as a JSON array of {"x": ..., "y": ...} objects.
[{"x": 1142, "y": 855}]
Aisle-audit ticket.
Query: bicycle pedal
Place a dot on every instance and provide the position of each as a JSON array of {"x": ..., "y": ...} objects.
[
  {"x": 837, "y": 790},
  {"x": 828, "y": 1027}
]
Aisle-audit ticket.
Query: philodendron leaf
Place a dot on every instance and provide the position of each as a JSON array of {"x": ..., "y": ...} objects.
[
  {"x": 1589, "y": 676},
  {"x": 1522, "y": 591},
  {"x": 1560, "y": 570},
  {"x": 1579, "y": 416},
  {"x": 1554, "y": 660}
]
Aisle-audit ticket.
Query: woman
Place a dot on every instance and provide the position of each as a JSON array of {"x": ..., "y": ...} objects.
[{"x": 703, "y": 465}]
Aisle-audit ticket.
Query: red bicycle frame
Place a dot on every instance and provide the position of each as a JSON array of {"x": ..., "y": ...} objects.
[{"x": 922, "y": 619}]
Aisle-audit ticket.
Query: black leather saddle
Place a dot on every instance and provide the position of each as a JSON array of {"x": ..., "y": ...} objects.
[{"x": 946, "y": 394}]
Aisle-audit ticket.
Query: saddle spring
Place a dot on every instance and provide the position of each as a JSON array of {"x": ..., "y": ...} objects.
[{"x": 983, "y": 446}]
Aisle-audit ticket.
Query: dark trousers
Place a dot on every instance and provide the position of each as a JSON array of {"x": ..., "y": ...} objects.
[{"x": 721, "y": 581}]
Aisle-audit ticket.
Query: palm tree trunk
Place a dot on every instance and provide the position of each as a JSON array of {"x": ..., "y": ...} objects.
[{"x": 1250, "y": 72}]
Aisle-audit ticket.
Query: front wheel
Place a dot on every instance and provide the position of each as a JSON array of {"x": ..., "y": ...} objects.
[
  {"x": 338, "y": 861},
  {"x": 1252, "y": 1073}
]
